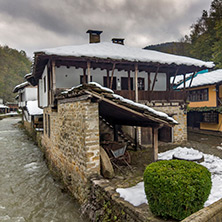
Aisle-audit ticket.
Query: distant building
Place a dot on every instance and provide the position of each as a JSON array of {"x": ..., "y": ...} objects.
[
  {"x": 4, "y": 109},
  {"x": 28, "y": 103}
]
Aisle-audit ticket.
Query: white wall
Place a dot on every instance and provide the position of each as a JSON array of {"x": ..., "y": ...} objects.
[
  {"x": 43, "y": 96},
  {"x": 68, "y": 77},
  {"x": 30, "y": 93}
]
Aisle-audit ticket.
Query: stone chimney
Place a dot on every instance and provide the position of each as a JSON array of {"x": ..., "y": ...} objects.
[
  {"x": 94, "y": 36},
  {"x": 118, "y": 41}
]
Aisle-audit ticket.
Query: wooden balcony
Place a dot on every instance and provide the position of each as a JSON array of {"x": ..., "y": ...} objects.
[{"x": 158, "y": 96}]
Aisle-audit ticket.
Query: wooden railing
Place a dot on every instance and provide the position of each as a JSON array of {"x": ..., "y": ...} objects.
[{"x": 169, "y": 96}]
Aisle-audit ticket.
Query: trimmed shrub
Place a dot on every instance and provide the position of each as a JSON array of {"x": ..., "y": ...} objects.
[{"x": 176, "y": 188}]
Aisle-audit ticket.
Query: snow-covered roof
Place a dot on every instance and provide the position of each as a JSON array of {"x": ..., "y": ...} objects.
[
  {"x": 2, "y": 106},
  {"x": 28, "y": 75},
  {"x": 33, "y": 109},
  {"x": 106, "y": 92},
  {"x": 20, "y": 86},
  {"x": 107, "y": 50},
  {"x": 208, "y": 78}
]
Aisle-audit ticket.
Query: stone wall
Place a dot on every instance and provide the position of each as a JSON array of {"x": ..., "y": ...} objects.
[
  {"x": 212, "y": 213},
  {"x": 177, "y": 112},
  {"x": 71, "y": 143}
]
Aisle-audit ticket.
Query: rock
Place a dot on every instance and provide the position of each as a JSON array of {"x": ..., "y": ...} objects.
[{"x": 106, "y": 166}]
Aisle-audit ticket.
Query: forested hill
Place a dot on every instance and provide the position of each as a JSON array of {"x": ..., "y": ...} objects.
[
  {"x": 205, "y": 39},
  {"x": 13, "y": 66},
  {"x": 177, "y": 48}
]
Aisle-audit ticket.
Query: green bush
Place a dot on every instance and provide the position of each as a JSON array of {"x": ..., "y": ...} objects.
[{"x": 176, "y": 188}]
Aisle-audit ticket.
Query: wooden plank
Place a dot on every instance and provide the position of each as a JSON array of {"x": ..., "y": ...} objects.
[
  {"x": 129, "y": 82},
  {"x": 184, "y": 81},
  {"x": 149, "y": 81},
  {"x": 155, "y": 143},
  {"x": 192, "y": 79},
  {"x": 136, "y": 82},
  {"x": 175, "y": 74},
  {"x": 154, "y": 80},
  {"x": 107, "y": 79},
  {"x": 88, "y": 71},
  {"x": 84, "y": 75},
  {"x": 115, "y": 132},
  {"x": 111, "y": 81}
]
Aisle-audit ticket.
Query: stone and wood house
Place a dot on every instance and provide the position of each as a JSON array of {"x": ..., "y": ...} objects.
[
  {"x": 205, "y": 101},
  {"x": 72, "y": 126}
]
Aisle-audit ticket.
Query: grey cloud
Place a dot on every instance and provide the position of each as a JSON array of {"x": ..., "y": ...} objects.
[{"x": 157, "y": 20}]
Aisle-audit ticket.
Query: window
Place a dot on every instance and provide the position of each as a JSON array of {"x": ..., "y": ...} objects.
[
  {"x": 44, "y": 82},
  {"x": 210, "y": 118},
  {"x": 141, "y": 85},
  {"x": 124, "y": 83},
  {"x": 105, "y": 82},
  {"x": 81, "y": 79},
  {"x": 198, "y": 95}
]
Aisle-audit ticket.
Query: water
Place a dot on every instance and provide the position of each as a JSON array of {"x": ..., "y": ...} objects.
[{"x": 27, "y": 190}]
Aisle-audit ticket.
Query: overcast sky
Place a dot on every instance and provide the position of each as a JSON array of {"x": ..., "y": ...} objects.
[{"x": 35, "y": 24}]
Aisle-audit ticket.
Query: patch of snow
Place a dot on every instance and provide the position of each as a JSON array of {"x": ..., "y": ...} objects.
[
  {"x": 188, "y": 154},
  {"x": 208, "y": 78},
  {"x": 31, "y": 166},
  {"x": 105, "y": 50},
  {"x": 90, "y": 83},
  {"x": 33, "y": 109},
  {"x": 129, "y": 194},
  {"x": 213, "y": 163},
  {"x": 219, "y": 147},
  {"x": 158, "y": 113}
]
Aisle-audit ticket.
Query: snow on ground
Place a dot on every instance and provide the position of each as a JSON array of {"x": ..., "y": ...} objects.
[{"x": 136, "y": 195}]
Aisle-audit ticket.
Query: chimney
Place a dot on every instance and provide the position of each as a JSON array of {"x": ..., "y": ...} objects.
[
  {"x": 118, "y": 41},
  {"x": 94, "y": 36}
]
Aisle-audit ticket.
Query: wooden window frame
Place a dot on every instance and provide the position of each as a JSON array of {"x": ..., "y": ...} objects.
[{"x": 199, "y": 95}]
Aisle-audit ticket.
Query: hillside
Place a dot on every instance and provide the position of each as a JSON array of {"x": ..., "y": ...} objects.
[
  {"x": 177, "y": 48},
  {"x": 13, "y": 66}
]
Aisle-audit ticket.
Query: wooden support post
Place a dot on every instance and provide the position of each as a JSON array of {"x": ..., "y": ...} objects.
[
  {"x": 192, "y": 79},
  {"x": 53, "y": 76},
  {"x": 136, "y": 138},
  {"x": 115, "y": 132},
  {"x": 129, "y": 82},
  {"x": 184, "y": 81},
  {"x": 107, "y": 78},
  {"x": 155, "y": 143},
  {"x": 154, "y": 80},
  {"x": 136, "y": 82},
  {"x": 149, "y": 81},
  {"x": 174, "y": 77},
  {"x": 111, "y": 81},
  {"x": 167, "y": 81},
  {"x": 53, "y": 79},
  {"x": 88, "y": 71},
  {"x": 84, "y": 76}
]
